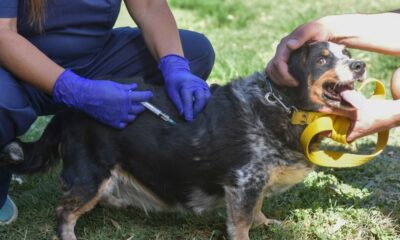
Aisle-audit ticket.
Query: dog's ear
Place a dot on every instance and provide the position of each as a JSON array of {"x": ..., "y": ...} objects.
[
  {"x": 214, "y": 87},
  {"x": 297, "y": 64}
]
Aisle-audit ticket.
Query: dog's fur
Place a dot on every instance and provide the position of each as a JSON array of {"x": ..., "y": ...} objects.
[{"x": 238, "y": 150}]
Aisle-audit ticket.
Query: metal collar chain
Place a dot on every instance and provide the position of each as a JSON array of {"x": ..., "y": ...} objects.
[{"x": 276, "y": 99}]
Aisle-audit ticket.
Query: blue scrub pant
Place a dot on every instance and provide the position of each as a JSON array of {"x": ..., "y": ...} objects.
[{"x": 124, "y": 55}]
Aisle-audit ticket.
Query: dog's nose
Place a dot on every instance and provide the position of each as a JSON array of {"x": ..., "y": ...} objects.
[{"x": 357, "y": 66}]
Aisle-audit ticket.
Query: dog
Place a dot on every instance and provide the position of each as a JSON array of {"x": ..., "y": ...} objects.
[{"x": 241, "y": 148}]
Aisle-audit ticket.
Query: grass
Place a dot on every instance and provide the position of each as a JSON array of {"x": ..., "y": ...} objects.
[{"x": 358, "y": 203}]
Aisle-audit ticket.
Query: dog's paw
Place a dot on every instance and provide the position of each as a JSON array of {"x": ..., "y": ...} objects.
[
  {"x": 11, "y": 154},
  {"x": 261, "y": 220}
]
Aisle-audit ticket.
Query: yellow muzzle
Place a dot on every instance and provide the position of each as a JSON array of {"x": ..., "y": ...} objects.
[{"x": 338, "y": 126}]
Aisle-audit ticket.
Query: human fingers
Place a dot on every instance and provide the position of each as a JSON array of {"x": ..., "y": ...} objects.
[
  {"x": 207, "y": 93},
  {"x": 356, "y": 131},
  {"x": 135, "y": 109},
  {"x": 395, "y": 84},
  {"x": 200, "y": 101},
  {"x": 314, "y": 31},
  {"x": 122, "y": 125},
  {"x": 130, "y": 86},
  {"x": 278, "y": 71},
  {"x": 140, "y": 96},
  {"x": 277, "y": 68},
  {"x": 187, "y": 101},
  {"x": 129, "y": 118}
]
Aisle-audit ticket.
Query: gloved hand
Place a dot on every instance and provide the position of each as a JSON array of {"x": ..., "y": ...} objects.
[
  {"x": 111, "y": 103},
  {"x": 188, "y": 92}
]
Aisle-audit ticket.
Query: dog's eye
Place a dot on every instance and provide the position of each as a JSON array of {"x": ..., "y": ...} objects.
[{"x": 321, "y": 60}]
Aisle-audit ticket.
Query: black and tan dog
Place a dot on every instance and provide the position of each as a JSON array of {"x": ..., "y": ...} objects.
[{"x": 240, "y": 149}]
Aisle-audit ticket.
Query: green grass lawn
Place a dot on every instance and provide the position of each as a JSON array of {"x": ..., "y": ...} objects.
[{"x": 358, "y": 203}]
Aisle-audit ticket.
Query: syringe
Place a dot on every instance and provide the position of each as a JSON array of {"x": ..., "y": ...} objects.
[{"x": 158, "y": 112}]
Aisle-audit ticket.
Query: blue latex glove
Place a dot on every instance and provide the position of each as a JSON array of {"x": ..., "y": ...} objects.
[
  {"x": 188, "y": 92},
  {"x": 111, "y": 103}
]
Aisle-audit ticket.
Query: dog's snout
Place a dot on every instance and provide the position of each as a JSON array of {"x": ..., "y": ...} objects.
[{"x": 358, "y": 67}]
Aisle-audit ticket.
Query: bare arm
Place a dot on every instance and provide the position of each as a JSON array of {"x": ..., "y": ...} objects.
[
  {"x": 24, "y": 60},
  {"x": 158, "y": 26},
  {"x": 371, "y": 32}
]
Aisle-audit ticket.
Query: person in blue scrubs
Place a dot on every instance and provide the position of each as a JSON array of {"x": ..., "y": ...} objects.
[{"x": 51, "y": 52}]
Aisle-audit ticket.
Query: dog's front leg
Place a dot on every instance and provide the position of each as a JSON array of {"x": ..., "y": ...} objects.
[
  {"x": 259, "y": 218},
  {"x": 70, "y": 209},
  {"x": 76, "y": 201},
  {"x": 241, "y": 205}
]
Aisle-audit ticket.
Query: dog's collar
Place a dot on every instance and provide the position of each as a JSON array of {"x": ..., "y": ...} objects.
[
  {"x": 338, "y": 127},
  {"x": 273, "y": 97},
  {"x": 297, "y": 117}
]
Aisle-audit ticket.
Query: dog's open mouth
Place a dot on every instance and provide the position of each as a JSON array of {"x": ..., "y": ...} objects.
[{"x": 332, "y": 94}]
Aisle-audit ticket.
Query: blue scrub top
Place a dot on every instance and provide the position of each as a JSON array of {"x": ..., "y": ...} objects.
[{"x": 73, "y": 30}]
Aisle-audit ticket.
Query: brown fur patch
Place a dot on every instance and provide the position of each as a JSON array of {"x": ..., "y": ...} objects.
[
  {"x": 89, "y": 205},
  {"x": 325, "y": 52},
  {"x": 315, "y": 88},
  {"x": 259, "y": 217},
  {"x": 240, "y": 224},
  {"x": 70, "y": 216},
  {"x": 239, "y": 219},
  {"x": 147, "y": 193},
  {"x": 283, "y": 177}
]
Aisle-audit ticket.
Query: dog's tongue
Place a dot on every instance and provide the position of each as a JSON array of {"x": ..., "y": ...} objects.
[{"x": 352, "y": 97}]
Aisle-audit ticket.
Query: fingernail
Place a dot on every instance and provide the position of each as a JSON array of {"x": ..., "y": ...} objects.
[
  {"x": 189, "y": 118},
  {"x": 292, "y": 43}
]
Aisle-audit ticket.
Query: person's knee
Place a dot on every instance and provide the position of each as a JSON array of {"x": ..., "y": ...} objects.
[
  {"x": 16, "y": 114},
  {"x": 200, "y": 52},
  {"x": 207, "y": 60}
]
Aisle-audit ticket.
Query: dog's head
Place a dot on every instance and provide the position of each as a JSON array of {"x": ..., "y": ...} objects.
[{"x": 324, "y": 70}]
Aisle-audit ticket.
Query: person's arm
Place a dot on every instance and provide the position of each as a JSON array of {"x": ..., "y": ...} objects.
[
  {"x": 188, "y": 92},
  {"x": 24, "y": 60},
  {"x": 158, "y": 26},
  {"x": 371, "y": 32},
  {"x": 362, "y": 31},
  {"x": 111, "y": 103}
]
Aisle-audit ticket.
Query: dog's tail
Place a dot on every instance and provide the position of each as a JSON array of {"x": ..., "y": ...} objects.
[{"x": 38, "y": 156}]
